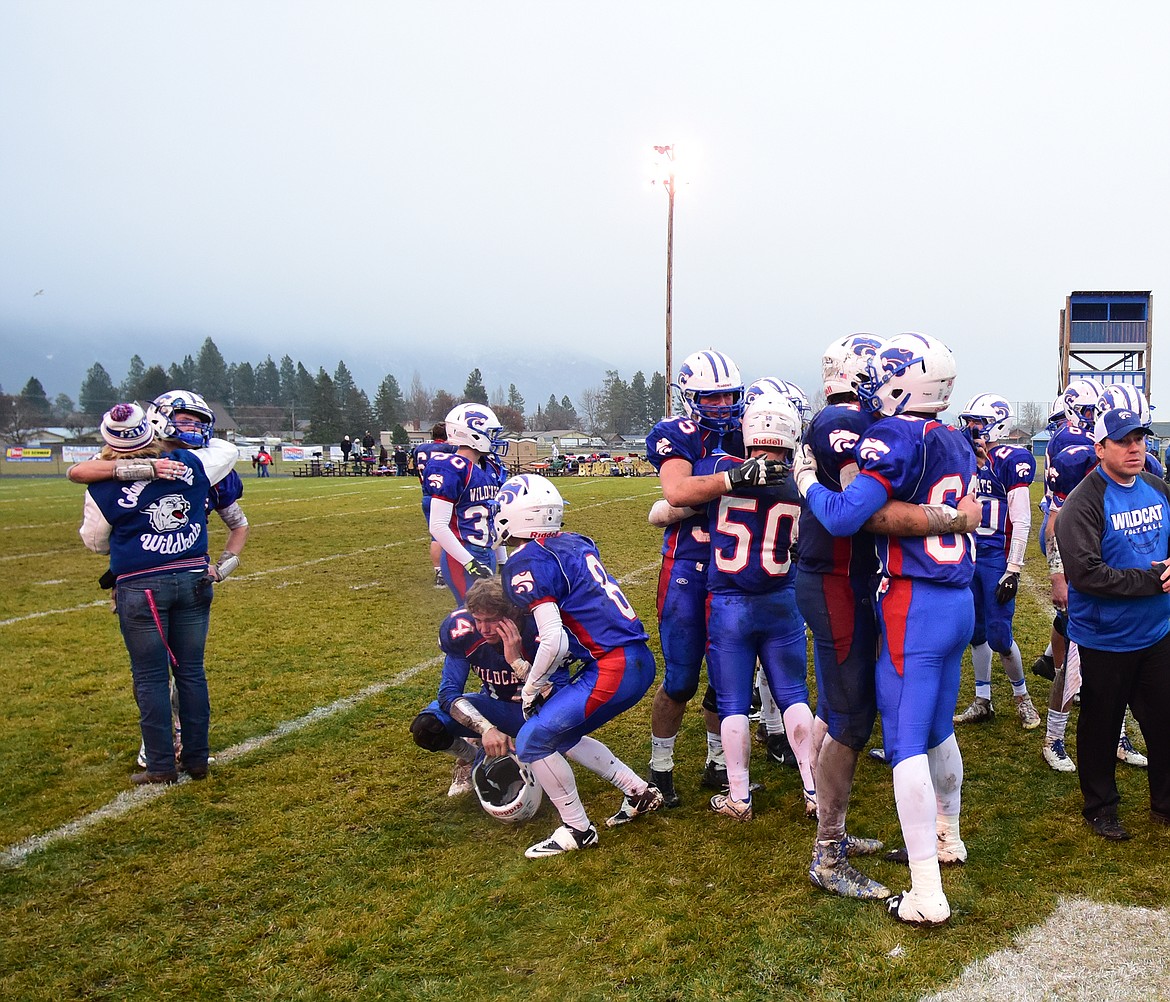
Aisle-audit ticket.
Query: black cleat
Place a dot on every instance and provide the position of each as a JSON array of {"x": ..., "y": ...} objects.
[
  {"x": 780, "y": 751},
  {"x": 714, "y": 778},
  {"x": 665, "y": 782}
]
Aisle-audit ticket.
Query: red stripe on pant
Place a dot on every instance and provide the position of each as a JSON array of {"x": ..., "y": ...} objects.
[
  {"x": 839, "y": 603},
  {"x": 664, "y": 573},
  {"x": 611, "y": 668},
  {"x": 895, "y": 605}
]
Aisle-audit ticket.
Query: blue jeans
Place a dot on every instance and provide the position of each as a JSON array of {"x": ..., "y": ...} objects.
[{"x": 183, "y": 603}]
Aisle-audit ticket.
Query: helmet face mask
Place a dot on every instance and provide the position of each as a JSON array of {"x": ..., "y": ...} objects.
[
  {"x": 527, "y": 506},
  {"x": 843, "y": 366},
  {"x": 161, "y": 413},
  {"x": 988, "y": 416},
  {"x": 912, "y": 374},
  {"x": 1080, "y": 402},
  {"x": 476, "y": 427},
  {"x": 771, "y": 421},
  {"x": 506, "y": 788},
  {"x": 704, "y": 376},
  {"x": 1127, "y": 397}
]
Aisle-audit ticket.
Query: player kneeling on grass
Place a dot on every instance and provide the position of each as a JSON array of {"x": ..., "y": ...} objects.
[
  {"x": 578, "y": 607},
  {"x": 486, "y": 637}
]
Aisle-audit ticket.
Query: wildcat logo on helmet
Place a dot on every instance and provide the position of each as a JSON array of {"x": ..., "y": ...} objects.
[
  {"x": 168, "y": 514},
  {"x": 897, "y": 359}
]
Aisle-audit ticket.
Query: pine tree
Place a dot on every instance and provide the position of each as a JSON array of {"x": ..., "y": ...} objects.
[
  {"x": 515, "y": 401},
  {"x": 211, "y": 374},
  {"x": 97, "y": 393},
  {"x": 154, "y": 383},
  {"x": 324, "y": 414},
  {"x": 389, "y": 407},
  {"x": 131, "y": 385},
  {"x": 35, "y": 397},
  {"x": 474, "y": 390},
  {"x": 267, "y": 383}
]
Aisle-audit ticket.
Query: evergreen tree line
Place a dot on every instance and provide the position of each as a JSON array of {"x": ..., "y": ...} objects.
[{"x": 272, "y": 397}]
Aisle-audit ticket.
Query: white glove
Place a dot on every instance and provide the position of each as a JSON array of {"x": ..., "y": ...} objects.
[{"x": 804, "y": 469}]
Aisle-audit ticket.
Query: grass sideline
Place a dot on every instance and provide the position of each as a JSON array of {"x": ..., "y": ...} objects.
[{"x": 329, "y": 863}]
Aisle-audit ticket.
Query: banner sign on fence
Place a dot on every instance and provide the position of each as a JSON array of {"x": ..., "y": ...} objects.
[
  {"x": 19, "y": 454},
  {"x": 79, "y": 453}
]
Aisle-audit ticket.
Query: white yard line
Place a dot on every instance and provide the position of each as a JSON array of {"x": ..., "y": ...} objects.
[{"x": 127, "y": 800}]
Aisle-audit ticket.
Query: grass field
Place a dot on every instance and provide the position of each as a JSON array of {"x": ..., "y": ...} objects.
[{"x": 322, "y": 859}]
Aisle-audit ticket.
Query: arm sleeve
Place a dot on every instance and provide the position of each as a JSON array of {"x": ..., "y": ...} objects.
[
  {"x": 440, "y": 526},
  {"x": 218, "y": 458},
  {"x": 453, "y": 681},
  {"x": 845, "y": 513},
  {"x": 1078, "y": 533},
  {"x": 553, "y": 646},
  {"x": 1019, "y": 506},
  {"x": 95, "y": 530}
]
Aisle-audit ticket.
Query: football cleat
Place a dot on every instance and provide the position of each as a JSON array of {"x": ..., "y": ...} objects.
[
  {"x": 831, "y": 871},
  {"x": 714, "y": 777},
  {"x": 1029, "y": 718},
  {"x": 460, "y": 780},
  {"x": 980, "y": 711},
  {"x": 728, "y": 806},
  {"x": 1128, "y": 754},
  {"x": 878, "y": 755},
  {"x": 780, "y": 751},
  {"x": 564, "y": 839},
  {"x": 919, "y": 909},
  {"x": 1044, "y": 667},
  {"x": 1055, "y": 755},
  {"x": 648, "y": 800},
  {"x": 439, "y": 582},
  {"x": 856, "y": 846},
  {"x": 664, "y": 780},
  {"x": 949, "y": 854}
]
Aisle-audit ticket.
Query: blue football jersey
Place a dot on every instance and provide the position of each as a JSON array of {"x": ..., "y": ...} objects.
[
  {"x": 751, "y": 534},
  {"x": 1065, "y": 436},
  {"x": 922, "y": 461},
  {"x": 567, "y": 569},
  {"x": 470, "y": 488},
  {"x": 1007, "y": 468},
  {"x": 226, "y": 493},
  {"x": 423, "y": 452},
  {"x": 681, "y": 438},
  {"x": 468, "y": 651},
  {"x": 833, "y": 436},
  {"x": 1068, "y": 468}
]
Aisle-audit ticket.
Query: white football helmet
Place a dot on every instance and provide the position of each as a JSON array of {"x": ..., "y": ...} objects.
[
  {"x": 991, "y": 413},
  {"x": 1127, "y": 397},
  {"x": 912, "y": 374},
  {"x": 476, "y": 426},
  {"x": 705, "y": 373},
  {"x": 160, "y": 412},
  {"x": 1080, "y": 402},
  {"x": 527, "y": 507},
  {"x": 843, "y": 364},
  {"x": 771, "y": 421},
  {"x": 1056, "y": 411},
  {"x": 506, "y": 788},
  {"x": 776, "y": 386}
]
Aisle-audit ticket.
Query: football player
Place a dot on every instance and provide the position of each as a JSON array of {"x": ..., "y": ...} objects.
[
  {"x": 924, "y": 599},
  {"x": 751, "y": 604},
  {"x": 420, "y": 455},
  {"x": 1005, "y": 474},
  {"x": 485, "y": 638},
  {"x": 461, "y": 486},
  {"x": 712, "y": 392},
  {"x": 579, "y": 608}
]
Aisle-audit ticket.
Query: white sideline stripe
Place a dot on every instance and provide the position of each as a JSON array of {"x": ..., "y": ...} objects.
[
  {"x": 334, "y": 514},
  {"x": 127, "y": 800},
  {"x": 52, "y": 612},
  {"x": 27, "y": 556}
]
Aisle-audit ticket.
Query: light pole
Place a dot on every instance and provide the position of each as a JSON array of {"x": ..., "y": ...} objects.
[{"x": 667, "y": 153}]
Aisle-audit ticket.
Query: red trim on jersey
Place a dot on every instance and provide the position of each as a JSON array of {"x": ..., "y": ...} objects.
[
  {"x": 583, "y": 635},
  {"x": 895, "y": 605},
  {"x": 611, "y": 669},
  {"x": 837, "y": 592},
  {"x": 880, "y": 479},
  {"x": 894, "y": 556}
]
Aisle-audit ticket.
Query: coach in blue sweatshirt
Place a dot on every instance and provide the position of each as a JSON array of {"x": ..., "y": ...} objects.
[{"x": 1114, "y": 538}]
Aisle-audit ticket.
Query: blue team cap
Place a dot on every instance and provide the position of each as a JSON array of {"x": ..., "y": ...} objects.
[{"x": 1116, "y": 424}]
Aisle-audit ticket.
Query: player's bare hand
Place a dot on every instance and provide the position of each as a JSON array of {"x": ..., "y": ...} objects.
[
  {"x": 169, "y": 469},
  {"x": 1060, "y": 592},
  {"x": 496, "y": 743},
  {"x": 972, "y": 511},
  {"x": 510, "y": 635}
]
